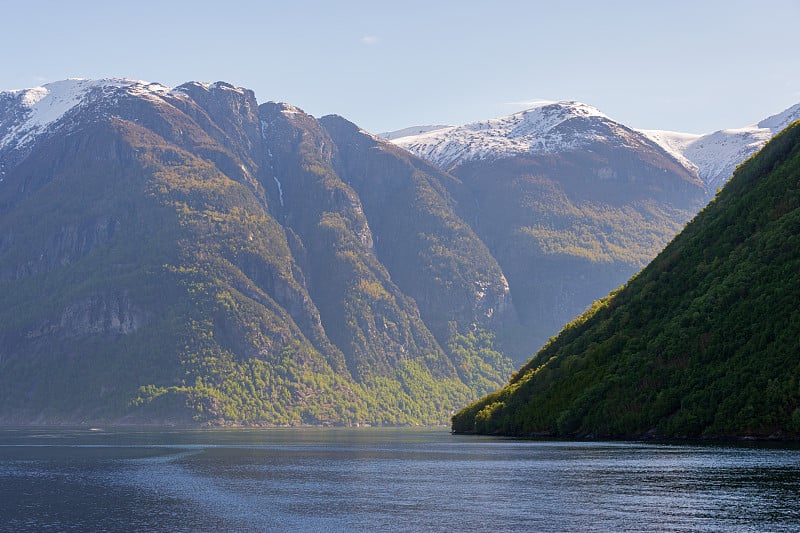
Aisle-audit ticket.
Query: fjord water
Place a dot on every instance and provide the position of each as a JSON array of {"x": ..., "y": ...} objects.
[{"x": 384, "y": 480}]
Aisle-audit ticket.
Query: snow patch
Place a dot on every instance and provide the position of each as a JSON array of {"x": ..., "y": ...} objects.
[
  {"x": 674, "y": 143},
  {"x": 290, "y": 110},
  {"x": 778, "y": 122},
  {"x": 32, "y": 96},
  {"x": 218, "y": 86},
  {"x": 222, "y": 86}
]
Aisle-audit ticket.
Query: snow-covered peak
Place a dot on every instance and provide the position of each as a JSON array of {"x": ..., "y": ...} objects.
[
  {"x": 547, "y": 116},
  {"x": 716, "y": 155},
  {"x": 549, "y": 127},
  {"x": 778, "y": 122},
  {"x": 37, "y": 108}
]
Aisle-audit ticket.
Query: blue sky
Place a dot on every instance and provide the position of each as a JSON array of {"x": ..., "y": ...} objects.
[{"x": 692, "y": 66}]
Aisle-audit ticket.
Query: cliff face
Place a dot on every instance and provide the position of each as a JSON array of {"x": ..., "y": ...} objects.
[{"x": 186, "y": 255}]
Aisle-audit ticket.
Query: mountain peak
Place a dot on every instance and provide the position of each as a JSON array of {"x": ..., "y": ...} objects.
[
  {"x": 37, "y": 108},
  {"x": 779, "y": 121},
  {"x": 571, "y": 106},
  {"x": 716, "y": 155},
  {"x": 548, "y": 127},
  {"x": 211, "y": 87}
]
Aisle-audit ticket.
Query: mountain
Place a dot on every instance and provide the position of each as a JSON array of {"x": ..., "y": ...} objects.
[
  {"x": 186, "y": 255},
  {"x": 715, "y": 156},
  {"x": 702, "y": 343},
  {"x": 712, "y": 156},
  {"x": 569, "y": 201}
]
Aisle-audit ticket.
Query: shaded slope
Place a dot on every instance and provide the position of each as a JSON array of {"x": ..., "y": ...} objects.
[
  {"x": 703, "y": 342},
  {"x": 432, "y": 254},
  {"x": 567, "y": 228},
  {"x": 429, "y": 251}
]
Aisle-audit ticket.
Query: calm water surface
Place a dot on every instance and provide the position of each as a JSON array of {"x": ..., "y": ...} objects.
[{"x": 384, "y": 480}]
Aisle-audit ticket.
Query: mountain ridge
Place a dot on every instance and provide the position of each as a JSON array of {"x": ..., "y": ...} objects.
[
  {"x": 713, "y": 156},
  {"x": 716, "y": 155}
]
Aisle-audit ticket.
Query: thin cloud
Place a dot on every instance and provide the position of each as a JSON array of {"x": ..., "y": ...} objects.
[
  {"x": 370, "y": 40},
  {"x": 530, "y": 103}
]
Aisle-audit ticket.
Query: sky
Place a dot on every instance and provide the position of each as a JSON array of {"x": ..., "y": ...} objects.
[{"x": 693, "y": 66}]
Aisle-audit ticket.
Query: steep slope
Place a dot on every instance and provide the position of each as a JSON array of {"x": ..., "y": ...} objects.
[
  {"x": 570, "y": 202},
  {"x": 431, "y": 253},
  {"x": 716, "y": 155},
  {"x": 123, "y": 267},
  {"x": 702, "y": 343},
  {"x": 185, "y": 255},
  {"x": 417, "y": 231},
  {"x": 339, "y": 212}
]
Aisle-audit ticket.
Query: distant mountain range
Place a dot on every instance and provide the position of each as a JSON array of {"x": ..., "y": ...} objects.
[
  {"x": 573, "y": 203},
  {"x": 702, "y": 343},
  {"x": 716, "y": 155},
  {"x": 541, "y": 129},
  {"x": 186, "y": 255}
]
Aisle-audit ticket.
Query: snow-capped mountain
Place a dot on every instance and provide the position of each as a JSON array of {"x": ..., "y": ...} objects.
[
  {"x": 550, "y": 128},
  {"x": 557, "y": 127},
  {"x": 39, "y": 108},
  {"x": 28, "y": 114},
  {"x": 715, "y": 155},
  {"x": 569, "y": 200}
]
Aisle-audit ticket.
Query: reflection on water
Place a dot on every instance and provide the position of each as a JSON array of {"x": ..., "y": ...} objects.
[{"x": 385, "y": 479}]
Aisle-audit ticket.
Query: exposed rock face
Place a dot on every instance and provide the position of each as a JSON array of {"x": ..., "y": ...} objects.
[{"x": 107, "y": 314}]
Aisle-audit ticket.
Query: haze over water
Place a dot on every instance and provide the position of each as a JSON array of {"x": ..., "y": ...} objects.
[{"x": 385, "y": 479}]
